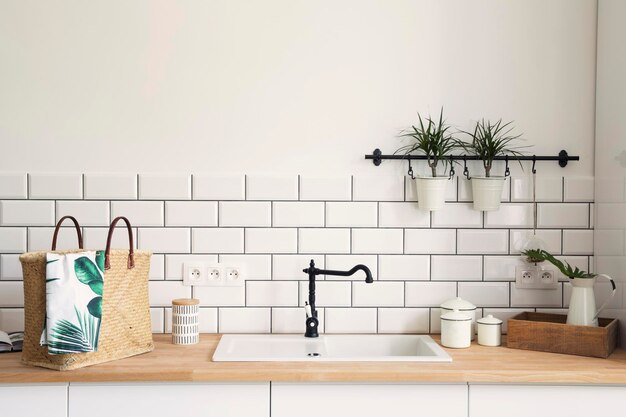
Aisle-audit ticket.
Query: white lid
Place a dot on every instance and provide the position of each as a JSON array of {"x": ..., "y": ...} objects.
[
  {"x": 456, "y": 315},
  {"x": 458, "y": 304},
  {"x": 490, "y": 319}
]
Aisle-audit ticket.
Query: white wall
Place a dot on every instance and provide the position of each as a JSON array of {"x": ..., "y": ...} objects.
[
  {"x": 283, "y": 85},
  {"x": 610, "y": 180}
]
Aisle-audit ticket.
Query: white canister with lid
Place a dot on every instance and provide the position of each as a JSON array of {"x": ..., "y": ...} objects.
[
  {"x": 489, "y": 331},
  {"x": 463, "y": 306},
  {"x": 456, "y": 330}
]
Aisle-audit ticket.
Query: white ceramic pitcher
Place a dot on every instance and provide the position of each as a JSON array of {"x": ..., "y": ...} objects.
[{"x": 582, "y": 305}]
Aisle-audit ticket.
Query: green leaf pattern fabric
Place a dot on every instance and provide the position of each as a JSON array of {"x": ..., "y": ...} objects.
[{"x": 74, "y": 290}]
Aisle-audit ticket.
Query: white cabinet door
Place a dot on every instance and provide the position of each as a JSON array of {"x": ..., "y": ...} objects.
[
  {"x": 545, "y": 401},
  {"x": 49, "y": 400},
  {"x": 168, "y": 400},
  {"x": 368, "y": 400}
]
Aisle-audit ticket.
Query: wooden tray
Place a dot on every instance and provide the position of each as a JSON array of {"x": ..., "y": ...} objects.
[{"x": 549, "y": 333}]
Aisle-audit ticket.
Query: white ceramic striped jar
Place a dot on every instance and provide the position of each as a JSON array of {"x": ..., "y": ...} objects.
[{"x": 185, "y": 313}]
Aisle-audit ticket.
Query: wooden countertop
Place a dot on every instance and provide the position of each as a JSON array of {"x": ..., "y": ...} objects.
[{"x": 478, "y": 364}]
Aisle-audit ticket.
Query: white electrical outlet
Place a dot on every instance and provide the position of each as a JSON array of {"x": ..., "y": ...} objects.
[
  {"x": 233, "y": 276},
  {"x": 531, "y": 276},
  {"x": 212, "y": 275},
  {"x": 193, "y": 274}
]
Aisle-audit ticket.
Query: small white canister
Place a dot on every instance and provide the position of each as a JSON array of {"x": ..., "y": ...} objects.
[
  {"x": 463, "y": 306},
  {"x": 185, "y": 313},
  {"x": 456, "y": 330},
  {"x": 489, "y": 331}
]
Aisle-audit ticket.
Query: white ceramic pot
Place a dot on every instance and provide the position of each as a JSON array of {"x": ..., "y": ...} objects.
[
  {"x": 185, "y": 325},
  {"x": 487, "y": 192},
  {"x": 489, "y": 331},
  {"x": 582, "y": 305},
  {"x": 431, "y": 192},
  {"x": 462, "y": 306},
  {"x": 456, "y": 330}
]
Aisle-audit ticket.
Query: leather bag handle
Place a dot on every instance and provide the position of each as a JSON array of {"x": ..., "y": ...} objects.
[
  {"x": 131, "y": 253},
  {"x": 58, "y": 226}
]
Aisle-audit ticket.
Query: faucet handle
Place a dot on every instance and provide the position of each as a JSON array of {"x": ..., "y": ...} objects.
[{"x": 307, "y": 309}]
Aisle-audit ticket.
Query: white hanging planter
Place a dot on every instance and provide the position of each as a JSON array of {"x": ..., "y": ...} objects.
[
  {"x": 431, "y": 192},
  {"x": 487, "y": 192}
]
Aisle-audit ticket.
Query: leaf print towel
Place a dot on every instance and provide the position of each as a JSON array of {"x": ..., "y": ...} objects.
[{"x": 74, "y": 286}]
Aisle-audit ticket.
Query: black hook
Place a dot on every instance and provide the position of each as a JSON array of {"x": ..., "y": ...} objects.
[
  {"x": 534, "y": 160},
  {"x": 410, "y": 173},
  {"x": 452, "y": 172},
  {"x": 507, "y": 171},
  {"x": 465, "y": 170}
]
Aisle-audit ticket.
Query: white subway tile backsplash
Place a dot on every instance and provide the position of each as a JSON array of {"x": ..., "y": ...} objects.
[
  {"x": 253, "y": 266},
  {"x": 110, "y": 186},
  {"x": 349, "y": 214},
  {"x": 244, "y": 320},
  {"x": 88, "y": 213},
  {"x": 272, "y": 293},
  {"x": 223, "y": 240},
  {"x": 378, "y": 188},
  {"x": 191, "y": 213},
  {"x": 157, "y": 318},
  {"x": 350, "y": 320},
  {"x": 298, "y": 214},
  {"x": 290, "y": 267},
  {"x": 563, "y": 215},
  {"x": 328, "y": 293},
  {"x": 271, "y": 240},
  {"x": 428, "y": 294},
  {"x": 347, "y": 262},
  {"x": 457, "y": 215},
  {"x": 272, "y": 187},
  {"x": 164, "y": 187},
  {"x": 377, "y": 241},
  {"x": 174, "y": 264},
  {"x": 292, "y": 320},
  {"x": 220, "y": 296},
  {"x": 11, "y": 293},
  {"x": 324, "y": 241},
  {"x": 551, "y": 239},
  {"x": 94, "y": 237},
  {"x": 40, "y": 238},
  {"x": 536, "y": 298},
  {"x": 166, "y": 240},
  {"x": 546, "y": 189},
  {"x": 12, "y": 319},
  {"x": 502, "y": 268},
  {"x": 13, "y": 185},
  {"x": 435, "y": 320},
  {"x": 219, "y": 187},
  {"x": 483, "y": 242},
  {"x": 403, "y": 320},
  {"x": 245, "y": 213},
  {"x": 485, "y": 294},
  {"x": 316, "y": 188},
  {"x": 207, "y": 320},
  {"x": 163, "y": 292},
  {"x": 576, "y": 189},
  {"x": 427, "y": 241},
  {"x": 55, "y": 186},
  {"x": 511, "y": 215},
  {"x": 578, "y": 242},
  {"x": 139, "y": 213},
  {"x": 404, "y": 267},
  {"x": 402, "y": 215},
  {"x": 456, "y": 268},
  {"x": 157, "y": 267},
  {"x": 26, "y": 213},
  {"x": 377, "y": 294},
  {"x": 10, "y": 267}
]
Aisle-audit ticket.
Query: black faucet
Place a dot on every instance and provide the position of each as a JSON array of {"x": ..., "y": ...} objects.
[{"x": 311, "y": 321}]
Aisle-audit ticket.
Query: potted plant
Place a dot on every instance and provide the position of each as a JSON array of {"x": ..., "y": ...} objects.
[
  {"x": 582, "y": 306},
  {"x": 488, "y": 141},
  {"x": 431, "y": 138},
  {"x": 533, "y": 256}
]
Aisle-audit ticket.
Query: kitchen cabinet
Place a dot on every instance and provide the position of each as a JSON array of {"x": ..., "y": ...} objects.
[
  {"x": 170, "y": 399},
  {"x": 368, "y": 400},
  {"x": 544, "y": 400},
  {"x": 48, "y": 400}
]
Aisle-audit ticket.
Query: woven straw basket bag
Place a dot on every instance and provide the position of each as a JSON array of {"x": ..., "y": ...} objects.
[{"x": 125, "y": 330}]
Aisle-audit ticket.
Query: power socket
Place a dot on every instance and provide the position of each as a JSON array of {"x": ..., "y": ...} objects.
[
  {"x": 535, "y": 277},
  {"x": 212, "y": 275},
  {"x": 233, "y": 276},
  {"x": 194, "y": 274}
]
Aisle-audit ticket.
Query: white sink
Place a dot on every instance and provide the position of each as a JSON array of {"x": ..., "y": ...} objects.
[{"x": 329, "y": 348}]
